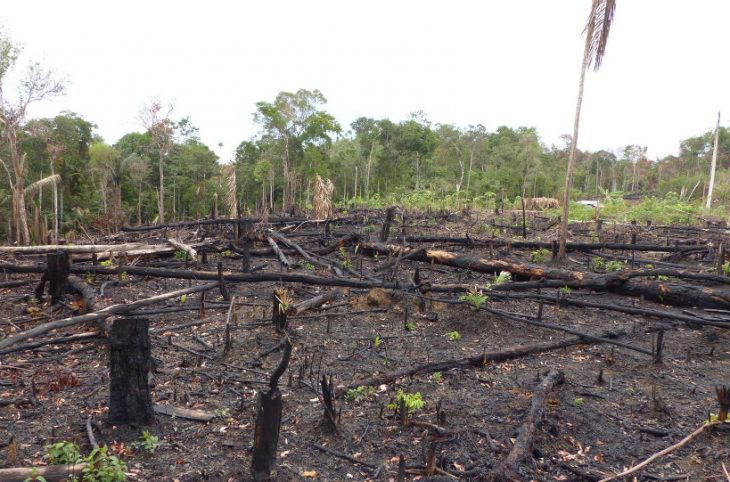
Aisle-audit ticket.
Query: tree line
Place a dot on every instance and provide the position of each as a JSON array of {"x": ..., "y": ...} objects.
[{"x": 60, "y": 175}]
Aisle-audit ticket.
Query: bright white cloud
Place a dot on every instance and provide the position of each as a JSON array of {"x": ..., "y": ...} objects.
[{"x": 496, "y": 63}]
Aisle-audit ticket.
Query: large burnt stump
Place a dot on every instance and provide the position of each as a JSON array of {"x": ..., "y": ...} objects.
[
  {"x": 268, "y": 423},
  {"x": 130, "y": 402},
  {"x": 56, "y": 275}
]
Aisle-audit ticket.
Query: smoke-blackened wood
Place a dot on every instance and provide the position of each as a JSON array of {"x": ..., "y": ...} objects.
[
  {"x": 57, "y": 275},
  {"x": 221, "y": 281},
  {"x": 507, "y": 470},
  {"x": 205, "y": 222},
  {"x": 328, "y": 400},
  {"x": 246, "y": 239},
  {"x": 87, "y": 293},
  {"x": 315, "y": 302},
  {"x": 281, "y": 304},
  {"x": 129, "y": 394},
  {"x": 385, "y": 231},
  {"x": 268, "y": 423}
]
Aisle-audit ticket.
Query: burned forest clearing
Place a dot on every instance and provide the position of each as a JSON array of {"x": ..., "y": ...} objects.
[{"x": 399, "y": 345}]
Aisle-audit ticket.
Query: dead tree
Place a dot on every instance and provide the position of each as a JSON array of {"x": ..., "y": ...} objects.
[
  {"x": 56, "y": 274},
  {"x": 268, "y": 423},
  {"x": 130, "y": 402}
]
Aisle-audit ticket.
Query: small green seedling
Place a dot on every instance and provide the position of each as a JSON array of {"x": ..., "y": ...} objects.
[
  {"x": 346, "y": 261},
  {"x": 377, "y": 341},
  {"x": 599, "y": 264},
  {"x": 726, "y": 268},
  {"x": 614, "y": 266},
  {"x": 413, "y": 401},
  {"x": 103, "y": 467},
  {"x": 181, "y": 255},
  {"x": 62, "y": 453},
  {"x": 360, "y": 393},
  {"x": 34, "y": 476},
  {"x": 540, "y": 255},
  {"x": 475, "y": 297},
  {"x": 306, "y": 265},
  {"x": 578, "y": 402},
  {"x": 566, "y": 290},
  {"x": 453, "y": 336},
  {"x": 183, "y": 298},
  {"x": 662, "y": 277},
  {"x": 410, "y": 326},
  {"x": 148, "y": 442},
  {"x": 107, "y": 263},
  {"x": 437, "y": 377}
]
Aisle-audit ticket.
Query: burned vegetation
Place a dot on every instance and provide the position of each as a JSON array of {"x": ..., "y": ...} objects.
[{"x": 375, "y": 345}]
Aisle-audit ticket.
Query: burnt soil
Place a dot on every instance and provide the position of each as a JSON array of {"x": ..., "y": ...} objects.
[{"x": 615, "y": 408}]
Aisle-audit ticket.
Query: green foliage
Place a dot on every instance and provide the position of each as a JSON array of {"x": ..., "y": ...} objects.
[
  {"x": 410, "y": 326},
  {"x": 598, "y": 263},
  {"x": 180, "y": 254},
  {"x": 103, "y": 467},
  {"x": 566, "y": 290},
  {"x": 540, "y": 255},
  {"x": 475, "y": 297},
  {"x": 662, "y": 277},
  {"x": 578, "y": 402},
  {"x": 227, "y": 253},
  {"x": 437, "y": 377},
  {"x": 614, "y": 265},
  {"x": 377, "y": 342},
  {"x": 453, "y": 336},
  {"x": 183, "y": 298},
  {"x": 345, "y": 257},
  {"x": 360, "y": 393},
  {"x": 34, "y": 477},
  {"x": 726, "y": 268},
  {"x": 503, "y": 277},
  {"x": 305, "y": 265},
  {"x": 62, "y": 453},
  {"x": 148, "y": 442},
  {"x": 123, "y": 276},
  {"x": 414, "y": 401},
  {"x": 107, "y": 263}
]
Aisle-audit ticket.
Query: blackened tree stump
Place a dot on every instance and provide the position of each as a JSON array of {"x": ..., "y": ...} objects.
[
  {"x": 130, "y": 402},
  {"x": 56, "y": 274}
]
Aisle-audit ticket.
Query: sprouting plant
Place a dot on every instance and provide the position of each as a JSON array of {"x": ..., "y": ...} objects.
[
  {"x": 107, "y": 263},
  {"x": 410, "y": 326},
  {"x": 726, "y": 268},
  {"x": 377, "y": 341},
  {"x": 224, "y": 412},
  {"x": 34, "y": 476},
  {"x": 413, "y": 401},
  {"x": 62, "y": 453},
  {"x": 183, "y": 298},
  {"x": 566, "y": 290},
  {"x": 437, "y": 377},
  {"x": 502, "y": 278},
  {"x": 360, "y": 393},
  {"x": 649, "y": 266},
  {"x": 103, "y": 467},
  {"x": 614, "y": 266},
  {"x": 598, "y": 263},
  {"x": 475, "y": 297},
  {"x": 181, "y": 254},
  {"x": 148, "y": 442},
  {"x": 226, "y": 253},
  {"x": 285, "y": 299},
  {"x": 346, "y": 261},
  {"x": 306, "y": 265},
  {"x": 453, "y": 336},
  {"x": 539, "y": 255},
  {"x": 662, "y": 277},
  {"x": 123, "y": 276},
  {"x": 578, "y": 402}
]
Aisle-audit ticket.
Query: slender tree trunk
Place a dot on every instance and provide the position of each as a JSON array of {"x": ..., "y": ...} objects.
[
  {"x": 573, "y": 151},
  {"x": 468, "y": 174},
  {"x": 22, "y": 232},
  {"x": 287, "y": 175},
  {"x": 370, "y": 161},
  {"x": 714, "y": 163},
  {"x": 55, "y": 204},
  {"x": 139, "y": 204},
  {"x": 161, "y": 195}
]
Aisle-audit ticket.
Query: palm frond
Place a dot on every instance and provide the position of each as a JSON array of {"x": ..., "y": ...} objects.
[
  {"x": 231, "y": 198},
  {"x": 597, "y": 29},
  {"x": 40, "y": 184}
]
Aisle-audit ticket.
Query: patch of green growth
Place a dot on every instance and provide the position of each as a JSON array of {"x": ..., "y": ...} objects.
[
  {"x": 437, "y": 377},
  {"x": 377, "y": 342},
  {"x": 599, "y": 264},
  {"x": 726, "y": 268},
  {"x": 413, "y": 401},
  {"x": 612, "y": 266},
  {"x": 502, "y": 278},
  {"x": 410, "y": 326},
  {"x": 123, "y": 276},
  {"x": 62, "y": 453},
  {"x": 34, "y": 476},
  {"x": 453, "y": 336},
  {"x": 222, "y": 412},
  {"x": 345, "y": 257},
  {"x": 360, "y": 393},
  {"x": 475, "y": 297},
  {"x": 566, "y": 290},
  {"x": 148, "y": 442},
  {"x": 183, "y": 298},
  {"x": 305, "y": 265},
  {"x": 578, "y": 402},
  {"x": 285, "y": 299},
  {"x": 103, "y": 467},
  {"x": 182, "y": 255},
  {"x": 540, "y": 255},
  {"x": 662, "y": 277},
  {"x": 107, "y": 263},
  {"x": 226, "y": 254}
]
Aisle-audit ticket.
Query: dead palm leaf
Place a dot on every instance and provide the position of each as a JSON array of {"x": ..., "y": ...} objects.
[
  {"x": 597, "y": 29},
  {"x": 40, "y": 184},
  {"x": 231, "y": 198},
  {"x": 322, "y": 201}
]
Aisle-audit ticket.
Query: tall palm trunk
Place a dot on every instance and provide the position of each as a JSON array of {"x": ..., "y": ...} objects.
[{"x": 573, "y": 151}]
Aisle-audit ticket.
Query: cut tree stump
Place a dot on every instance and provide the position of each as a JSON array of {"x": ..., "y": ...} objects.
[{"x": 130, "y": 402}]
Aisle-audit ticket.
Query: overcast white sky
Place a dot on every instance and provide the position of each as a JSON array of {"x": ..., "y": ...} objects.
[{"x": 665, "y": 74}]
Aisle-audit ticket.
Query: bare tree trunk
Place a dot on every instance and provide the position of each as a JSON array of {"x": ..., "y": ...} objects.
[
  {"x": 287, "y": 176},
  {"x": 370, "y": 161},
  {"x": 468, "y": 174},
  {"x": 714, "y": 163},
  {"x": 161, "y": 195},
  {"x": 573, "y": 151}
]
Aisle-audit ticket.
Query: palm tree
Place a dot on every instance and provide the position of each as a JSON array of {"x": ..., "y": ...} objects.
[{"x": 596, "y": 30}]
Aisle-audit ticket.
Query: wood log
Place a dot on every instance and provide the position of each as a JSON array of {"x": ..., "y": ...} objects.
[
  {"x": 218, "y": 221},
  {"x": 179, "y": 245},
  {"x": 57, "y": 275},
  {"x": 130, "y": 402},
  {"x": 315, "y": 302},
  {"x": 71, "y": 248},
  {"x": 101, "y": 314},
  {"x": 282, "y": 257},
  {"x": 507, "y": 470},
  {"x": 52, "y": 473}
]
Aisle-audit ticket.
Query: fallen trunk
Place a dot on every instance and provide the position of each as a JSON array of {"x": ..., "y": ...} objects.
[
  {"x": 101, "y": 314},
  {"x": 51, "y": 473},
  {"x": 507, "y": 470}
]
